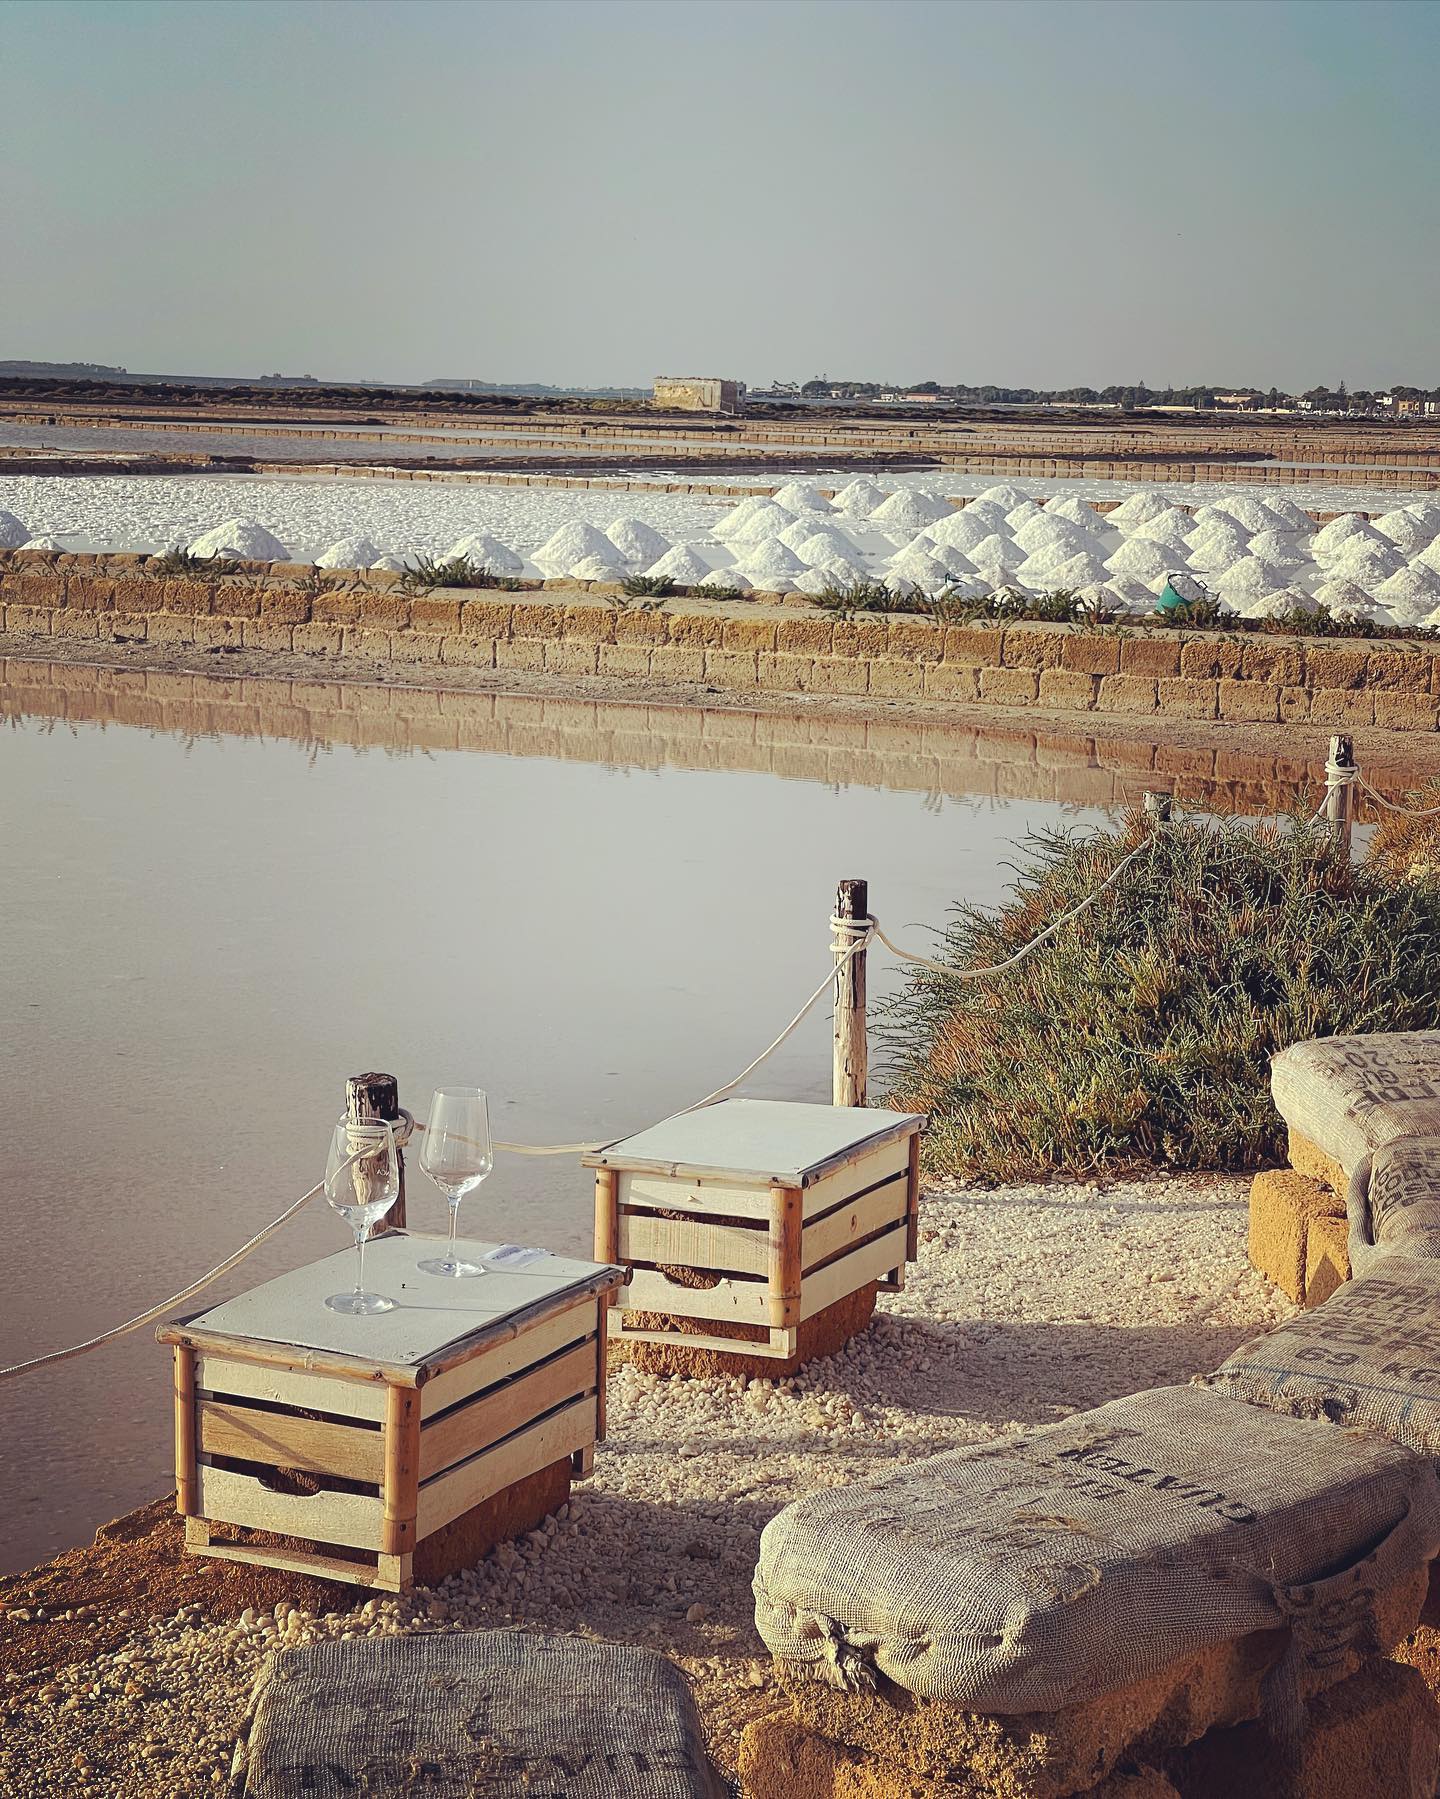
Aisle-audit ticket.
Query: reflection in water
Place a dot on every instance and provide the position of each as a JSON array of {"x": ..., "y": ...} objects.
[{"x": 220, "y": 898}]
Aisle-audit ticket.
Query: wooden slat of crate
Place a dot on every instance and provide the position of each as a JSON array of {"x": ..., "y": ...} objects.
[
  {"x": 447, "y": 1495},
  {"x": 706, "y": 1198},
  {"x": 863, "y": 1170},
  {"x": 483, "y": 1421},
  {"x": 296, "y": 1561},
  {"x": 351, "y": 1519},
  {"x": 736, "y": 1302},
  {"x": 219, "y": 1375},
  {"x": 723, "y": 1248},
  {"x": 854, "y": 1222},
  {"x": 849, "y": 1273},
  {"x": 496, "y": 1363},
  {"x": 317, "y": 1445}
]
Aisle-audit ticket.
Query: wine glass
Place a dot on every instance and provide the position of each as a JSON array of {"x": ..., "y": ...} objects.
[
  {"x": 362, "y": 1182},
  {"x": 456, "y": 1154}
]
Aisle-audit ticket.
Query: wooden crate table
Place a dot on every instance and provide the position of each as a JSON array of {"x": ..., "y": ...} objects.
[
  {"x": 398, "y": 1447},
  {"x": 755, "y": 1232}
]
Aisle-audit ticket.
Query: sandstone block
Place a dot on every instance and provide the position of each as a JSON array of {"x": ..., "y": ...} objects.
[
  {"x": 336, "y": 608},
  {"x": 836, "y": 674},
  {"x": 1271, "y": 659},
  {"x": 1154, "y": 656},
  {"x": 89, "y": 593},
  {"x": 1254, "y": 701},
  {"x": 234, "y": 599},
  {"x": 625, "y": 659},
  {"x": 1282, "y": 1203},
  {"x": 30, "y": 621},
  {"x": 1031, "y": 646},
  {"x": 1327, "y": 665},
  {"x": 1069, "y": 688},
  {"x": 318, "y": 637},
  {"x": 804, "y": 636},
  {"x": 1127, "y": 693},
  {"x": 64, "y": 623},
  {"x": 1399, "y": 711},
  {"x": 1376, "y": 1734},
  {"x": 915, "y": 639},
  {"x": 673, "y": 662},
  {"x": 732, "y": 668},
  {"x": 1342, "y": 706},
  {"x": 567, "y": 658},
  {"x": 384, "y": 611},
  {"x": 1010, "y": 686},
  {"x": 1327, "y": 1258},
  {"x": 27, "y": 589},
  {"x": 590, "y": 624},
  {"x": 415, "y": 646},
  {"x": 1399, "y": 671},
  {"x": 784, "y": 674},
  {"x": 206, "y": 630},
  {"x": 896, "y": 679},
  {"x": 362, "y": 640},
  {"x": 468, "y": 652},
  {"x": 697, "y": 630},
  {"x": 524, "y": 653},
  {"x": 748, "y": 634},
  {"x": 1209, "y": 659},
  {"x": 1294, "y": 705},
  {"x": 263, "y": 634},
  {"x": 431, "y": 612},
  {"x": 861, "y": 637},
  {"x": 949, "y": 681},
  {"x": 1309, "y": 1159},
  {"x": 486, "y": 618},
  {"x": 1188, "y": 697},
  {"x": 1090, "y": 654},
  {"x": 974, "y": 646},
  {"x": 284, "y": 606},
  {"x": 636, "y": 626}
]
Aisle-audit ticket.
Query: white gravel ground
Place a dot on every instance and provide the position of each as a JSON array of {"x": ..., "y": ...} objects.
[{"x": 1027, "y": 1303}]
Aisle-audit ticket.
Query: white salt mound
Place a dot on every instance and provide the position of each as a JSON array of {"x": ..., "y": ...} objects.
[
  {"x": 594, "y": 568},
  {"x": 1285, "y": 548},
  {"x": 920, "y": 571},
  {"x": 960, "y": 531},
  {"x": 767, "y": 520},
  {"x": 812, "y": 525},
  {"x": 995, "y": 552},
  {"x": 487, "y": 552},
  {"x": 1215, "y": 548},
  {"x": 730, "y": 578},
  {"x": 1023, "y": 513},
  {"x": 1330, "y": 539},
  {"x": 350, "y": 552},
  {"x": 12, "y": 533},
  {"x": 1367, "y": 562},
  {"x": 1291, "y": 516},
  {"x": 39, "y": 543},
  {"x": 1142, "y": 558},
  {"x": 768, "y": 558},
  {"x": 1139, "y": 509},
  {"x": 682, "y": 564},
  {"x": 968, "y": 587},
  {"x": 799, "y": 496},
  {"x": 1250, "y": 579},
  {"x": 1338, "y": 594},
  {"x": 730, "y": 523},
  {"x": 860, "y": 498},
  {"x": 985, "y": 512},
  {"x": 1427, "y": 512},
  {"x": 574, "y": 541},
  {"x": 1006, "y": 496},
  {"x": 245, "y": 539},
  {"x": 908, "y": 507},
  {"x": 1084, "y": 570},
  {"x": 1133, "y": 594},
  {"x": 1172, "y": 527},
  {"x": 394, "y": 565},
  {"x": 636, "y": 541},
  {"x": 1408, "y": 533},
  {"x": 1277, "y": 603},
  {"x": 1045, "y": 529},
  {"x": 1246, "y": 510},
  {"x": 1079, "y": 512},
  {"x": 819, "y": 580},
  {"x": 822, "y": 550},
  {"x": 1410, "y": 595}
]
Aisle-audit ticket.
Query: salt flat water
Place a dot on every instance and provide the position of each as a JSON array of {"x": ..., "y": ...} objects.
[{"x": 206, "y": 932}]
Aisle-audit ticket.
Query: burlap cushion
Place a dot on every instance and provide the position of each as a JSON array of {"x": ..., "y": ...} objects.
[
  {"x": 1348, "y": 1095},
  {"x": 1393, "y": 1203}
]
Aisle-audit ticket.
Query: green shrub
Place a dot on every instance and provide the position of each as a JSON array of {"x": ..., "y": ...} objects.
[
  {"x": 647, "y": 587},
  {"x": 181, "y": 562},
  {"x": 1141, "y": 1032},
  {"x": 716, "y": 590},
  {"x": 426, "y": 574}
]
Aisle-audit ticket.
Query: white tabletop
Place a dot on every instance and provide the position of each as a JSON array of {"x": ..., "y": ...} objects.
[
  {"x": 431, "y": 1313},
  {"x": 762, "y": 1140}
]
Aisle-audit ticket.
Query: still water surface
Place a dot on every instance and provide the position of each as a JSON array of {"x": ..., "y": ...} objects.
[{"x": 599, "y": 919}]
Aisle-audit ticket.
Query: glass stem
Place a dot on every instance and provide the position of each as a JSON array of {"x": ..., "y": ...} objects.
[
  {"x": 359, "y": 1262},
  {"x": 454, "y": 1202}
]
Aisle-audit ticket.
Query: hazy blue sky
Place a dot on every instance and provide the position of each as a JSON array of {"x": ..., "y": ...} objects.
[{"x": 1022, "y": 192}]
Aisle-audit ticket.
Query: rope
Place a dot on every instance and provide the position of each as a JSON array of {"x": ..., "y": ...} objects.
[{"x": 1391, "y": 806}]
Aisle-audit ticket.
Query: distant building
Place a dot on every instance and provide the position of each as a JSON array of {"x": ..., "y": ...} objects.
[
  {"x": 925, "y": 399},
  {"x": 1246, "y": 402},
  {"x": 698, "y": 393}
]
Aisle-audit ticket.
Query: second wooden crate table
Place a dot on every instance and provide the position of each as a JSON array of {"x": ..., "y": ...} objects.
[
  {"x": 413, "y": 1439},
  {"x": 755, "y": 1231}
]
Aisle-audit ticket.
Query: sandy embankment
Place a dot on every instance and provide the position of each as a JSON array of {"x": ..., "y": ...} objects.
[{"x": 1027, "y": 1303}]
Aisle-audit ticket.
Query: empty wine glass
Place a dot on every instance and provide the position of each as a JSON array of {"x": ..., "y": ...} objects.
[
  {"x": 362, "y": 1182},
  {"x": 456, "y": 1154}
]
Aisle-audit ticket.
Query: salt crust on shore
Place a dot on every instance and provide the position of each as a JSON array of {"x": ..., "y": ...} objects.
[{"x": 1028, "y": 1302}]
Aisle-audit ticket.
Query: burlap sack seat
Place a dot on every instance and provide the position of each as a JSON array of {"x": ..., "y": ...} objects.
[
  {"x": 1045, "y": 1569},
  {"x": 1393, "y": 1203},
  {"x": 1369, "y": 1357},
  {"x": 1346, "y": 1096},
  {"x": 503, "y": 1712}
]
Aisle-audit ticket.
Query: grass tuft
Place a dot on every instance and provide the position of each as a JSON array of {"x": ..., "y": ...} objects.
[
  {"x": 1141, "y": 1033},
  {"x": 426, "y": 574}
]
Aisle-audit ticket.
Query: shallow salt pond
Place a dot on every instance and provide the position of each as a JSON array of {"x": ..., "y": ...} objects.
[{"x": 222, "y": 896}]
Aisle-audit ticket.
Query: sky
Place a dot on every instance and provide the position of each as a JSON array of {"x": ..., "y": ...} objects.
[{"x": 592, "y": 193}]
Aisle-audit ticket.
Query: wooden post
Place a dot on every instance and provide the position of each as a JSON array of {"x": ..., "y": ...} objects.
[
  {"x": 787, "y": 1238},
  {"x": 1339, "y": 791},
  {"x": 378, "y": 1096},
  {"x": 400, "y": 1489},
  {"x": 187, "y": 1498},
  {"x": 1157, "y": 808},
  {"x": 607, "y": 1216},
  {"x": 851, "y": 1070}
]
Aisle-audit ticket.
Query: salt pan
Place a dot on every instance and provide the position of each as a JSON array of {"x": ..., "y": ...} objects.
[
  {"x": 243, "y": 538},
  {"x": 636, "y": 541},
  {"x": 487, "y": 552}
]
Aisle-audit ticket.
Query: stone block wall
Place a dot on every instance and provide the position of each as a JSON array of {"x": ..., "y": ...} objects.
[{"x": 1135, "y": 671}]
